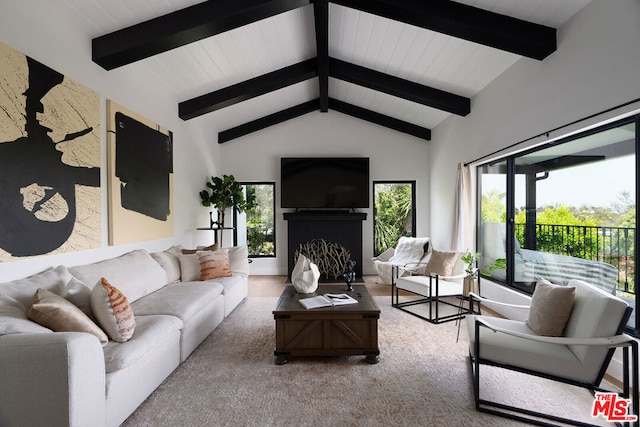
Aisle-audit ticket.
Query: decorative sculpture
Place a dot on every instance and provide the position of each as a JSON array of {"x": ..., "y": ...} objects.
[
  {"x": 305, "y": 275},
  {"x": 350, "y": 275}
]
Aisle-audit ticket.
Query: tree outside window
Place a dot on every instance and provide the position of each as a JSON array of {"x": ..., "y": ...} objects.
[
  {"x": 394, "y": 213},
  {"x": 258, "y": 231}
]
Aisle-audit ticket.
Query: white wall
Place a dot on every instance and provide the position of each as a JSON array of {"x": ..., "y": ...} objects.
[
  {"x": 595, "y": 68},
  {"x": 42, "y": 31},
  {"x": 393, "y": 156}
]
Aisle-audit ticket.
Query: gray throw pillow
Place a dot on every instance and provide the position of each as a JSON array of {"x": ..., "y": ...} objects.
[{"x": 550, "y": 309}]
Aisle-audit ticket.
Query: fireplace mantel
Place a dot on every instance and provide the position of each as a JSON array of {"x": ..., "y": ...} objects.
[{"x": 344, "y": 228}]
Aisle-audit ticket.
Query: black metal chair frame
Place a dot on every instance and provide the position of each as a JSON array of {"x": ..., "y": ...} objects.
[
  {"x": 432, "y": 299},
  {"x": 500, "y": 409}
]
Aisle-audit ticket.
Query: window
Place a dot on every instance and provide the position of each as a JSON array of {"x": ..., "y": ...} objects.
[
  {"x": 564, "y": 210},
  {"x": 394, "y": 213},
  {"x": 256, "y": 227}
]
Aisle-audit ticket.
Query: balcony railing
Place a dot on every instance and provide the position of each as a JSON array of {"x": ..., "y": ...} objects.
[{"x": 613, "y": 245}]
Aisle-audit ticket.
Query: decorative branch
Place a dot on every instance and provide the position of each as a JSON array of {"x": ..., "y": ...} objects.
[{"x": 331, "y": 258}]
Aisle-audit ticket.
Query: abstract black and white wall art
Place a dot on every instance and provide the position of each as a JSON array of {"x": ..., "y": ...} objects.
[
  {"x": 50, "y": 199},
  {"x": 140, "y": 158}
]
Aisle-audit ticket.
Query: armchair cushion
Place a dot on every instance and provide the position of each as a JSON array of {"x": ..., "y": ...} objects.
[
  {"x": 551, "y": 307},
  {"x": 441, "y": 263}
]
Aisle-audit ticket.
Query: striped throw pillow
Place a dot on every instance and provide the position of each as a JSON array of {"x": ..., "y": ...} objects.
[
  {"x": 214, "y": 264},
  {"x": 112, "y": 310}
]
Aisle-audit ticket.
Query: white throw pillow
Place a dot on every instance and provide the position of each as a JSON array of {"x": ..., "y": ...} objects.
[
  {"x": 190, "y": 267},
  {"x": 239, "y": 260},
  {"x": 409, "y": 250}
]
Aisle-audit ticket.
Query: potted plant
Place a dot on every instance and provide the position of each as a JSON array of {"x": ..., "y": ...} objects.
[
  {"x": 470, "y": 283},
  {"x": 223, "y": 193},
  {"x": 470, "y": 259}
]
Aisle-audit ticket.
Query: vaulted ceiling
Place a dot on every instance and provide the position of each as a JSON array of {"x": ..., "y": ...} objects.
[{"x": 249, "y": 64}]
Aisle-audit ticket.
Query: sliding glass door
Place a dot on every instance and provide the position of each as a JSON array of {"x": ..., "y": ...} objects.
[{"x": 566, "y": 210}]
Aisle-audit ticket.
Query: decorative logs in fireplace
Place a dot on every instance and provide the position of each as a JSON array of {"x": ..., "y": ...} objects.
[{"x": 330, "y": 257}]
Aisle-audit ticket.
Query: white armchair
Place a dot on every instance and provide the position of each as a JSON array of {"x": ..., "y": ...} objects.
[
  {"x": 442, "y": 279},
  {"x": 579, "y": 357},
  {"x": 409, "y": 255}
]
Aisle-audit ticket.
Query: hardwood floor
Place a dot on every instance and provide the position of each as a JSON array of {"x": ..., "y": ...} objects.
[{"x": 272, "y": 286}]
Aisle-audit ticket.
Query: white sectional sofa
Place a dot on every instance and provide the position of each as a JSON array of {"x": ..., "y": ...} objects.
[{"x": 71, "y": 379}]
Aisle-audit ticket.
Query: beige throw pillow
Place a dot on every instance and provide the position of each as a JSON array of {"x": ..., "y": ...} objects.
[
  {"x": 441, "y": 262},
  {"x": 550, "y": 309},
  {"x": 113, "y": 311},
  {"x": 58, "y": 314},
  {"x": 214, "y": 264}
]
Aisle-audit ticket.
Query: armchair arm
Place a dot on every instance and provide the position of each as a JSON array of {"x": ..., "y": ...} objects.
[
  {"x": 52, "y": 379},
  {"x": 612, "y": 341},
  {"x": 454, "y": 277},
  {"x": 504, "y": 304}
]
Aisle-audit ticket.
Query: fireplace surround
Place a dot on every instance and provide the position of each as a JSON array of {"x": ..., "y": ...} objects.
[{"x": 341, "y": 227}]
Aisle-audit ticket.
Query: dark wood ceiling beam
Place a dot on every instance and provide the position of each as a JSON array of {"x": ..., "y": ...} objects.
[
  {"x": 466, "y": 22},
  {"x": 266, "y": 121},
  {"x": 401, "y": 88},
  {"x": 380, "y": 119},
  {"x": 321, "y": 16},
  {"x": 248, "y": 89},
  {"x": 182, "y": 27}
]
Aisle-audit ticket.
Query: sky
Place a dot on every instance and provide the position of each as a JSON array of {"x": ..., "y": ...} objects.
[{"x": 597, "y": 184}]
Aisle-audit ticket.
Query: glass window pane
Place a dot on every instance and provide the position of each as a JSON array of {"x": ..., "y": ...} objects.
[
  {"x": 394, "y": 213},
  {"x": 493, "y": 229},
  {"x": 256, "y": 227}
]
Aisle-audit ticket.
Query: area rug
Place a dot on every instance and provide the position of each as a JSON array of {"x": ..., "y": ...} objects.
[{"x": 423, "y": 379}]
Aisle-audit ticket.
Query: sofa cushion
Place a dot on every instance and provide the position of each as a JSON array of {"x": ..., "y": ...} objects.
[
  {"x": 136, "y": 273},
  {"x": 76, "y": 293},
  {"x": 13, "y": 318},
  {"x": 113, "y": 312},
  {"x": 182, "y": 299},
  {"x": 150, "y": 332},
  {"x": 169, "y": 261},
  {"x": 53, "y": 279},
  {"x": 550, "y": 308},
  {"x": 58, "y": 314},
  {"x": 214, "y": 264}
]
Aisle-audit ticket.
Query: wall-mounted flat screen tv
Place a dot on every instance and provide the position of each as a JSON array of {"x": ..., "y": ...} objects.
[{"x": 324, "y": 182}]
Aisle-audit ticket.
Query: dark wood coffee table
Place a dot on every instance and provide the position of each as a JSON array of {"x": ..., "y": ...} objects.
[{"x": 328, "y": 331}]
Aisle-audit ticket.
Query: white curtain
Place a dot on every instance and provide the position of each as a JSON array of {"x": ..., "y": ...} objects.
[{"x": 463, "y": 227}]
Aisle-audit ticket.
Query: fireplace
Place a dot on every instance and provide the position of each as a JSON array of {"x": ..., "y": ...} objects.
[{"x": 341, "y": 228}]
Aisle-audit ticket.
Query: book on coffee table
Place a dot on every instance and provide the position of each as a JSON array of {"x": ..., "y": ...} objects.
[{"x": 327, "y": 300}]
